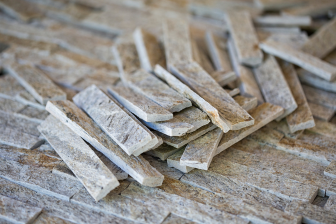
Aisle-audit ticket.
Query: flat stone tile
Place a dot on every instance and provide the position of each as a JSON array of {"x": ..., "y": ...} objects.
[
  {"x": 44, "y": 218},
  {"x": 282, "y": 127},
  {"x": 331, "y": 189},
  {"x": 324, "y": 128},
  {"x": 321, "y": 112},
  {"x": 295, "y": 40},
  {"x": 283, "y": 20},
  {"x": 318, "y": 96},
  {"x": 277, "y": 4},
  {"x": 330, "y": 171},
  {"x": 81, "y": 124},
  {"x": 331, "y": 204},
  {"x": 310, "y": 9},
  {"x": 315, "y": 81},
  {"x": 247, "y": 103},
  {"x": 163, "y": 151},
  {"x": 10, "y": 106},
  {"x": 174, "y": 161},
  {"x": 174, "y": 219},
  {"x": 33, "y": 114}
]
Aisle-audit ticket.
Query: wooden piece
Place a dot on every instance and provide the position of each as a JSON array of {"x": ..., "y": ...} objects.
[
  {"x": 202, "y": 83},
  {"x": 315, "y": 81},
  {"x": 330, "y": 171},
  {"x": 321, "y": 112},
  {"x": 244, "y": 37},
  {"x": 321, "y": 43},
  {"x": 140, "y": 105},
  {"x": 82, "y": 125},
  {"x": 247, "y": 103},
  {"x": 320, "y": 97},
  {"x": 283, "y": 20},
  {"x": 299, "y": 58},
  {"x": 274, "y": 86}
]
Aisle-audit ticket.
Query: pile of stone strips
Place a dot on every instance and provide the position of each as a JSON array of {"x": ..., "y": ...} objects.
[{"x": 90, "y": 110}]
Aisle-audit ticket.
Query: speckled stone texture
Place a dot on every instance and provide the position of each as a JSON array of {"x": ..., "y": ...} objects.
[
  {"x": 295, "y": 40},
  {"x": 247, "y": 103},
  {"x": 331, "y": 204},
  {"x": 114, "y": 121},
  {"x": 45, "y": 218},
  {"x": 319, "y": 96},
  {"x": 321, "y": 112},
  {"x": 315, "y": 81},
  {"x": 283, "y": 20},
  {"x": 330, "y": 171},
  {"x": 244, "y": 37},
  {"x": 277, "y": 4},
  {"x": 324, "y": 128},
  {"x": 83, "y": 162},
  {"x": 174, "y": 161},
  {"x": 36, "y": 83},
  {"x": 81, "y": 124},
  {"x": 163, "y": 151},
  {"x": 301, "y": 59},
  {"x": 274, "y": 86}
]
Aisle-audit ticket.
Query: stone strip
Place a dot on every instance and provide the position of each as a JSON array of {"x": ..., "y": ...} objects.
[
  {"x": 330, "y": 171},
  {"x": 180, "y": 87},
  {"x": 224, "y": 78},
  {"x": 174, "y": 161},
  {"x": 312, "y": 9},
  {"x": 79, "y": 157},
  {"x": 283, "y": 20},
  {"x": 277, "y": 4},
  {"x": 295, "y": 40},
  {"x": 21, "y": 10},
  {"x": 203, "y": 84},
  {"x": 282, "y": 127},
  {"x": 163, "y": 151},
  {"x": 244, "y": 37},
  {"x": 321, "y": 112},
  {"x": 247, "y": 103},
  {"x": 313, "y": 80},
  {"x": 199, "y": 153},
  {"x": 233, "y": 92},
  {"x": 82, "y": 125},
  {"x": 113, "y": 120},
  {"x": 140, "y": 105},
  {"x": 321, "y": 43},
  {"x": 274, "y": 87},
  {"x": 15, "y": 211},
  {"x": 324, "y": 128},
  {"x": 299, "y": 58},
  {"x": 156, "y": 90},
  {"x": 321, "y": 97},
  {"x": 171, "y": 218},
  {"x": 331, "y": 204},
  {"x": 46, "y": 218},
  {"x": 247, "y": 84},
  {"x": 331, "y": 189},
  {"x": 33, "y": 114}
]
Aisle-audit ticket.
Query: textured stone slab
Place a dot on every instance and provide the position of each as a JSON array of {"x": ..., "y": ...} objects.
[
  {"x": 247, "y": 103},
  {"x": 17, "y": 212},
  {"x": 277, "y": 4},
  {"x": 193, "y": 96},
  {"x": 233, "y": 92},
  {"x": 330, "y": 171},
  {"x": 174, "y": 161},
  {"x": 331, "y": 204},
  {"x": 299, "y": 58},
  {"x": 202, "y": 83},
  {"x": 282, "y": 127},
  {"x": 321, "y": 97},
  {"x": 10, "y": 106},
  {"x": 262, "y": 115},
  {"x": 295, "y": 40},
  {"x": 247, "y": 84},
  {"x": 313, "y": 9},
  {"x": 321, "y": 112},
  {"x": 163, "y": 151},
  {"x": 244, "y": 37},
  {"x": 199, "y": 153},
  {"x": 156, "y": 90},
  {"x": 274, "y": 86},
  {"x": 81, "y": 124},
  {"x": 36, "y": 83},
  {"x": 140, "y": 105},
  {"x": 33, "y": 114},
  {"x": 283, "y": 20},
  {"x": 310, "y": 213},
  {"x": 44, "y": 218},
  {"x": 277, "y": 30},
  {"x": 63, "y": 170},
  {"x": 21, "y": 10},
  {"x": 149, "y": 49},
  {"x": 324, "y": 128},
  {"x": 180, "y": 206},
  {"x": 113, "y": 120},
  {"x": 83, "y": 162},
  {"x": 313, "y": 80},
  {"x": 321, "y": 43},
  {"x": 172, "y": 219}
]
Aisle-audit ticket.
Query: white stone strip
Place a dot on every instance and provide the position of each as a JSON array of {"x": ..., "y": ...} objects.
[
  {"x": 315, "y": 81},
  {"x": 283, "y": 20},
  {"x": 321, "y": 112},
  {"x": 318, "y": 96}
]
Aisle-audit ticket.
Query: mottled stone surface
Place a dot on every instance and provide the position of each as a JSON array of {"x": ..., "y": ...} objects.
[
  {"x": 17, "y": 212},
  {"x": 10, "y": 106},
  {"x": 324, "y": 128},
  {"x": 203, "y": 84},
  {"x": 311, "y": 9},
  {"x": 244, "y": 37},
  {"x": 331, "y": 204},
  {"x": 33, "y": 114},
  {"x": 153, "y": 88},
  {"x": 21, "y": 10},
  {"x": 174, "y": 219},
  {"x": 174, "y": 161},
  {"x": 190, "y": 94},
  {"x": 140, "y": 105},
  {"x": 45, "y": 218},
  {"x": 277, "y": 4},
  {"x": 321, "y": 112},
  {"x": 81, "y": 124},
  {"x": 247, "y": 103},
  {"x": 315, "y": 81},
  {"x": 199, "y": 153},
  {"x": 163, "y": 151},
  {"x": 63, "y": 170},
  {"x": 274, "y": 86},
  {"x": 300, "y": 58},
  {"x": 113, "y": 120},
  {"x": 79, "y": 157},
  {"x": 331, "y": 170},
  {"x": 282, "y": 127},
  {"x": 36, "y": 83},
  {"x": 318, "y": 96},
  {"x": 295, "y": 40},
  {"x": 283, "y": 20}
]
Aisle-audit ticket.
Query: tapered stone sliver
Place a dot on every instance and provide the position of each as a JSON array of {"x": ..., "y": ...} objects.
[
  {"x": 80, "y": 123},
  {"x": 79, "y": 157}
]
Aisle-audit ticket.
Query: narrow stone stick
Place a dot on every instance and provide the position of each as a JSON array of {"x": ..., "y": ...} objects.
[
  {"x": 79, "y": 157},
  {"x": 321, "y": 112},
  {"x": 283, "y": 20},
  {"x": 321, "y": 97},
  {"x": 315, "y": 81},
  {"x": 82, "y": 125}
]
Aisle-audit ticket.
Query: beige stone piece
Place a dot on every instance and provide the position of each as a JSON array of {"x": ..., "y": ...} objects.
[
  {"x": 247, "y": 84},
  {"x": 321, "y": 43},
  {"x": 63, "y": 170},
  {"x": 33, "y": 114},
  {"x": 321, "y": 97},
  {"x": 82, "y": 125},
  {"x": 153, "y": 88},
  {"x": 163, "y": 151},
  {"x": 21, "y": 10},
  {"x": 282, "y": 127},
  {"x": 244, "y": 38},
  {"x": 283, "y": 20},
  {"x": 315, "y": 81},
  {"x": 295, "y": 40},
  {"x": 247, "y": 103},
  {"x": 278, "y": 30},
  {"x": 331, "y": 204},
  {"x": 277, "y": 4},
  {"x": 44, "y": 218},
  {"x": 312, "y": 9},
  {"x": 140, "y": 105},
  {"x": 183, "y": 89},
  {"x": 196, "y": 51},
  {"x": 300, "y": 58},
  {"x": 203, "y": 84},
  {"x": 331, "y": 58},
  {"x": 331, "y": 189},
  {"x": 233, "y": 92},
  {"x": 199, "y": 153},
  {"x": 302, "y": 117},
  {"x": 274, "y": 86},
  {"x": 263, "y": 114},
  {"x": 224, "y": 78},
  {"x": 321, "y": 112},
  {"x": 324, "y": 128},
  {"x": 10, "y": 106},
  {"x": 330, "y": 171},
  {"x": 13, "y": 211},
  {"x": 174, "y": 219},
  {"x": 83, "y": 162},
  {"x": 174, "y": 161},
  {"x": 194, "y": 116},
  {"x": 310, "y": 213},
  {"x": 149, "y": 49}
]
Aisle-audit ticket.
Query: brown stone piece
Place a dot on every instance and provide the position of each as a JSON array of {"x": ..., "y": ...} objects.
[
  {"x": 324, "y": 128},
  {"x": 330, "y": 171},
  {"x": 321, "y": 97},
  {"x": 321, "y": 112},
  {"x": 312, "y": 8}
]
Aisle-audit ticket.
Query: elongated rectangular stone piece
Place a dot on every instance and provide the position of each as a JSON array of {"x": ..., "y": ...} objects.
[
  {"x": 114, "y": 121},
  {"x": 274, "y": 86},
  {"x": 300, "y": 58},
  {"x": 313, "y": 9},
  {"x": 247, "y": 103},
  {"x": 163, "y": 151},
  {"x": 156, "y": 90},
  {"x": 321, "y": 112},
  {"x": 36, "y": 83},
  {"x": 193, "y": 96},
  {"x": 324, "y": 128},
  {"x": 203, "y": 84},
  {"x": 315, "y": 81},
  {"x": 83, "y": 162},
  {"x": 80, "y": 123},
  {"x": 330, "y": 171},
  {"x": 331, "y": 204},
  {"x": 277, "y": 4},
  {"x": 199, "y": 153},
  {"x": 318, "y": 96},
  {"x": 140, "y": 105},
  {"x": 244, "y": 37},
  {"x": 15, "y": 211},
  {"x": 283, "y": 20}
]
